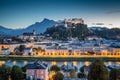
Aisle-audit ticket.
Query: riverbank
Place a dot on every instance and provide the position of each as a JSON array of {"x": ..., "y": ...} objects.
[{"x": 50, "y": 58}]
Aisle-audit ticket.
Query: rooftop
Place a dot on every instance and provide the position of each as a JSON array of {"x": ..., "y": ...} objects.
[{"x": 36, "y": 65}]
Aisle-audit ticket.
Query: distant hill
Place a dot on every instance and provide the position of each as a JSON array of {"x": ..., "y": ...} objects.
[
  {"x": 99, "y": 28},
  {"x": 104, "y": 32},
  {"x": 40, "y": 27},
  {"x": 4, "y": 31}
]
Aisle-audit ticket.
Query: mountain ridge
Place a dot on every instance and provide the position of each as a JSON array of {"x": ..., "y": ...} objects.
[{"x": 40, "y": 27}]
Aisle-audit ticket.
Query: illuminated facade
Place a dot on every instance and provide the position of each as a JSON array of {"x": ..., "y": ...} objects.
[
  {"x": 12, "y": 46},
  {"x": 37, "y": 71},
  {"x": 75, "y": 21},
  {"x": 114, "y": 51}
]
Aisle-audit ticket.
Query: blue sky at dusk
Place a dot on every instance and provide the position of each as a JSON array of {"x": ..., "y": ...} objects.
[{"x": 22, "y": 13}]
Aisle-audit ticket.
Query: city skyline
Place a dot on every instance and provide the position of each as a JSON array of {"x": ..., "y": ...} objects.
[{"x": 22, "y": 13}]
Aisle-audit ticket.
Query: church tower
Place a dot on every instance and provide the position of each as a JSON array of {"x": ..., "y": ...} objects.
[{"x": 34, "y": 32}]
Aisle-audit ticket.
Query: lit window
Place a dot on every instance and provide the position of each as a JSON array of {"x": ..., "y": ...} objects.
[
  {"x": 42, "y": 77},
  {"x": 41, "y": 72}
]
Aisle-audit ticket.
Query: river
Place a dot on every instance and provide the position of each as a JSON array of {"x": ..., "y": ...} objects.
[{"x": 78, "y": 64}]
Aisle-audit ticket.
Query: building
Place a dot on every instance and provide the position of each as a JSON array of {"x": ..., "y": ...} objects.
[
  {"x": 4, "y": 46},
  {"x": 31, "y": 36},
  {"x": 70, "y": 22},
  {"x": 114, "y": 50},
  {"x": 74, "y": 21},
  {"x": 93, "y": 38},
  {"x": 28, "y": 51},
  {"x": 5, "y": 51},
  {"x": 12, "y": 46},
  {"x": 37, "y": 71}
]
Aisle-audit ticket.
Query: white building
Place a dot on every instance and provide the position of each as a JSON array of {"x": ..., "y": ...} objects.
[
  {"x": 5, "y": 51},
  {"x": 31, "y": 36},
  {"x": 28, "y": 51}
]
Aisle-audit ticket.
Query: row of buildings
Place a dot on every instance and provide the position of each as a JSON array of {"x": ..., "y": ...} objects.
[{"x": 70, "y": 47}]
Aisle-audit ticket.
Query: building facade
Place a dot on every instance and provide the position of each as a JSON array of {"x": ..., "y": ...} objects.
[{"x": 37, "y": 71}]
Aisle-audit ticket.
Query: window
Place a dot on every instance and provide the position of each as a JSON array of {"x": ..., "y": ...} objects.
[{"x": 41, "y": 72}]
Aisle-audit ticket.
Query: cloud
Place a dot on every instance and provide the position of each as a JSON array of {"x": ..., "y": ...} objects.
[
  {"x": 113, "y": 12},
  {"x": 97, "y": 23}
]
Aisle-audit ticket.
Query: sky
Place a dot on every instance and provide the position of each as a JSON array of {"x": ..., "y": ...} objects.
[{"x": 22, "y": 13}]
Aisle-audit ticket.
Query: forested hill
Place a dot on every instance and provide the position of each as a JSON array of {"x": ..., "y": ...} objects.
[{"x": 82, "y": 31}]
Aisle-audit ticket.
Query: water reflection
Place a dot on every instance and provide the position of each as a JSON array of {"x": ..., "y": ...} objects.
[
  {"x": 109, "y": 63},
  {"x": 2, "y": 62},
  {"x": 14, "y": 62},
  {"x": 118, "y": 63},
  {"x": 54, "y": 63},
  {"x": 74, "y": 63},
  {"x": 25, "y": 62},
  {"x": 65, "y": 63},
  {"x": 78, "y": 64},
  {"x": 86, "y": 63}
]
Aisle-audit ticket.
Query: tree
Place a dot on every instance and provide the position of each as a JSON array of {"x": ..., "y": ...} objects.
[
  {"x": 61, "y": 32},
  {"x": 35, "y": 50},
  {"x": 55, "y": 68},
  {"x": 57, "y": 32},
  {"x": 12, "y": 53},
  {"x": 114, "y": 74},
  {"x": 4, "y": 72},
  {"x": 21, "y": 48},
  {"x": 73, "y": 74},
  {"x": 39, "y": 49},
  {"x": 58, "y": 76},
  {"x": 16, "y": 39},
  {"x": 24, "y": 71},
  {"x": 16, "y": 73},
  {"x": 112, "y": 33},
  {"x": 80, "y": 30},
  {"x": 82, "y": 69},
  {"x": 24, "y": 68},
  {"x": 81, "y": 73},
  {"x": 98, "y": 71}
]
